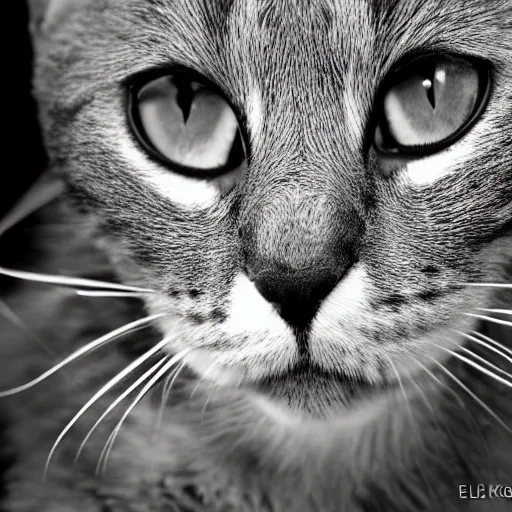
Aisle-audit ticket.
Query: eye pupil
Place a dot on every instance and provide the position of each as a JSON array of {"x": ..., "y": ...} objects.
[
  {"x": 429, "y": 87},
  {"x": 184, "y": 97}
]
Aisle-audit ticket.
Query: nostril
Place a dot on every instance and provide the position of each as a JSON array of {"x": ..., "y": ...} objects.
[{"x": 268, "y": 289}]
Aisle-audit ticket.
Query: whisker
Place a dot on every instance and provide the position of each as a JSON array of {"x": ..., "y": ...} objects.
[
  {"x": 95, "y": 293},
  {"x": 472, "y": 395},
  {"x": 493, "y": 342},
  {"x": 422, "y": 392},
  {"x": 477, "y": 366},
  {"x": 10, "y": 315},
  {"x": 425, "y": 399},
  {"x": 486, "y": 345},
  {"x": 169, "y": 381},
  {"x": 45, "y": 190},
  {"x": 166, "y": 391},
  {"x": 474, "y": 424},
  {"x": 483, "y": 360},
  {"x": 73, "y": 282},
  {"x": 165, "y": 395},
  {"x": 490, "y": 319},
  {"x": 414, "y": 421},
  {"x": 427, "y": 402},
  {"x": 110, "y": 442},
  {"x": 400, "y": 383},
  {"x": 493, "y": 285},
  {"x": 441, "y": 383},
  {"x": 126, "y": 329},
  {"x": 167, "y": 388},
  {"x": 202, "y": 378},
  {"x": 104, "y": 389},
  {"x": 116, "y": 402},
  {"x": 214, "y": 388},
  {"x": 499, "y": 311}
]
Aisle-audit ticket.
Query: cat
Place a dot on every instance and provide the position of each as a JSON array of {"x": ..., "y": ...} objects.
[{"x": 294, "y": 218}]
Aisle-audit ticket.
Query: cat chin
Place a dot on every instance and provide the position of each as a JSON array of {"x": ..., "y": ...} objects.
[
  {"x": 313, "y": 393},
  {"x": 304, "y": 390}
]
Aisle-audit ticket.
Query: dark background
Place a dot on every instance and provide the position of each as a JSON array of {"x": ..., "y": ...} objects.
[
  {"x": 22, "y": 150},
  {"x": 23, "y": 156}
]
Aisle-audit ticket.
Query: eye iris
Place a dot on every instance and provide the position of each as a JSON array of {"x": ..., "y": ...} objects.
[
  {"x": 187, "y": 124},
  {"x": 427, "y": 104}
]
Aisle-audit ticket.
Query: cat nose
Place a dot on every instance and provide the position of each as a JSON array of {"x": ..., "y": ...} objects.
[
  {"x": 296, "y": 245},
  {"x": 296, "y": 295}
]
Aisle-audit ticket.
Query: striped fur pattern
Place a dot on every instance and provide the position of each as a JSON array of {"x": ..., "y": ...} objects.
[{"x": 372, "y": 408}]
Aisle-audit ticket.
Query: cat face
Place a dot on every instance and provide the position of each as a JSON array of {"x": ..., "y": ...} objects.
[{"x": 306, "y": 186}]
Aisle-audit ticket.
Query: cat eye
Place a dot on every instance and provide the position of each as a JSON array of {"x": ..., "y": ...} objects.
[
  {"x": 430, "y": 103},
  {"x": 186, "y": 124}
]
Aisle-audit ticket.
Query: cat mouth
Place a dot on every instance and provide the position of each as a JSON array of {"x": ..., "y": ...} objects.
[
  {"x": 312, "y": 390},
  {"x": 303, "y": 387}
]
